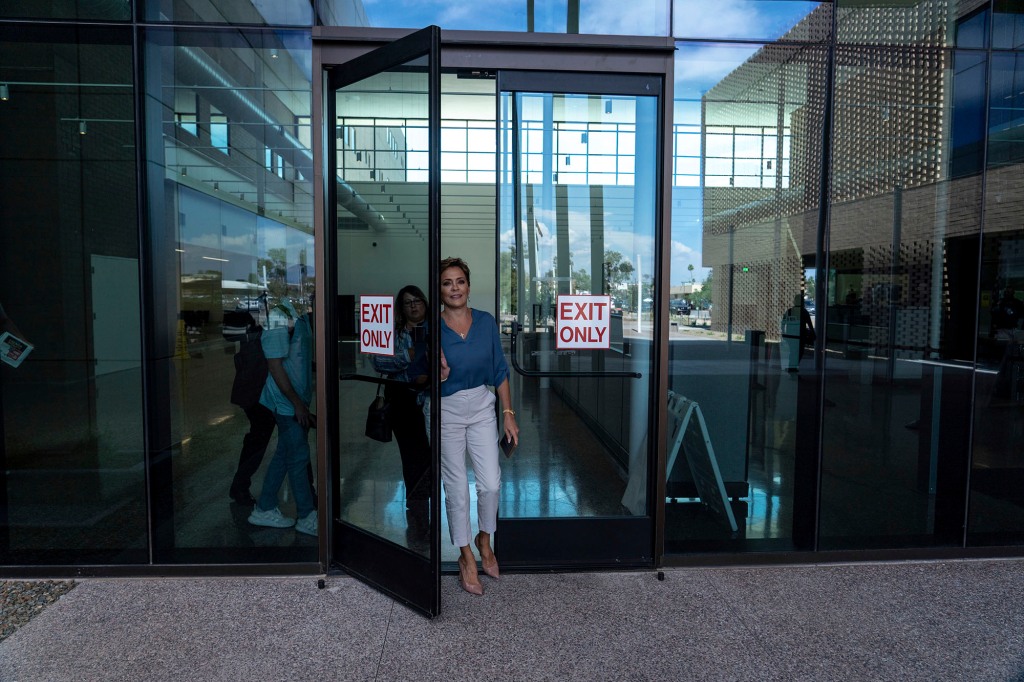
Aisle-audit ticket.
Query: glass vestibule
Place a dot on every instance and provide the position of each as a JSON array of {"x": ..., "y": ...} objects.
[{"x": 555, "y": 485}]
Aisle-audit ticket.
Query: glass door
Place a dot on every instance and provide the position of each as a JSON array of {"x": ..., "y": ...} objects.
[
  {"x": 382, "y": 114},
  {"x": 579, "y": 224}
]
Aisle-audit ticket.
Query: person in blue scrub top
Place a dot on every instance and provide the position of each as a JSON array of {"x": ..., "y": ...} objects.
[
  {"x": 471, "y": 360},
  {"x": 288, "y": 345}
]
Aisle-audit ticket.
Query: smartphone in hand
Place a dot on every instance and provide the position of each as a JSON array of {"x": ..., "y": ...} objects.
[{"x": 507, "y": 445}]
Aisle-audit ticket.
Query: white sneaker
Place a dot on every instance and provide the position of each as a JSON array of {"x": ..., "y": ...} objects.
[
  {"x": 307, "y": 525},
  {"x": 272, "y": 518}
]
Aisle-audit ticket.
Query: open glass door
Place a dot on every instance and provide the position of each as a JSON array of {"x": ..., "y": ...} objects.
[
  {"x": 382, "y": 113},
  {"x": 579, "y": 222}
]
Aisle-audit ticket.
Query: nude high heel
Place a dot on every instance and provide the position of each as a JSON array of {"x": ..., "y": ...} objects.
[
  {"x": 477, "y": 589},
  {"x": 491, "y": 568}
]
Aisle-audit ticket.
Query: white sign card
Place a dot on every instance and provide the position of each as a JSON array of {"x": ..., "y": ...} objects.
[
  {"x": 377, "y": 325},
  {"x": 13, "y": 350},
  {"x": 583, "y": 321}
]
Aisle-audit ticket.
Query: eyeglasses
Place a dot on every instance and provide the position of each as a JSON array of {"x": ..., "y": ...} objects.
[{"x": 412, "y": 301}]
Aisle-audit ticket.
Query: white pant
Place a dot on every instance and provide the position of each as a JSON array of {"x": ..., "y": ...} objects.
[{"x": 468, "y": 423}]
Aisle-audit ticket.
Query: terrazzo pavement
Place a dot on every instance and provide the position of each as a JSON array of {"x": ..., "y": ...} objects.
[{"x": 959, "y": 620}]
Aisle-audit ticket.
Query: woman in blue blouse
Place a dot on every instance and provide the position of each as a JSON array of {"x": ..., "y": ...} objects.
[{"x": 471, "y": 360}]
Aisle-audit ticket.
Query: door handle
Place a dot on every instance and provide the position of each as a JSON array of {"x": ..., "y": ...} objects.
[
  {"x": 538, "y": 373},
  {"x": 375, "y": 380}
]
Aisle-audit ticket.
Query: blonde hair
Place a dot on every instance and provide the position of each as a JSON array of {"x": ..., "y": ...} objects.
[{"x": 455, "y": 263}]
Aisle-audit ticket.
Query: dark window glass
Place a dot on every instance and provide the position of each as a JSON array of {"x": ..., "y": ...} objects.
[
  {"x": 231, "y": 239},
  {"x": 746, "y": 185},
  {"x": 1006, "y": 110},
  {"x": 900, "y": 307},
  {"x": 997, "y": 472},
  {"x": 1008, "y": 25},
  {"x": 967, "y": 123},
  {"x": 972, "y": 31},
  {"x": 255, "y": 12},
  {"x": 106, "y": 10},
  {"x": 72, "y": 480}
]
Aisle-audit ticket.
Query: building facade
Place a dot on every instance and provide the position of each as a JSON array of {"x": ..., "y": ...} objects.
[{"x": 832, "y": 187}]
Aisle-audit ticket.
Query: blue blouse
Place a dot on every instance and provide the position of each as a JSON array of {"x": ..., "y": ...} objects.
[{"x": 476, "y": 360}]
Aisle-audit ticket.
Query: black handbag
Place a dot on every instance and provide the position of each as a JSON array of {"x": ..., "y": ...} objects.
[{"x": 377, "y": 426}]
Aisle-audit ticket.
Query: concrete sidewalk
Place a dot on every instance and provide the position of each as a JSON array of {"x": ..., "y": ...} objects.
[{"x": 908, "y": 621}]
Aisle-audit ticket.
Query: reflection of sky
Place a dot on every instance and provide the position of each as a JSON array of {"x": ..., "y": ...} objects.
[
  {"x": 217, "y": 236},
  {"x": 500, "y": 15},
  {"x": 700, "y": 67},
  {"x": 738, "y": 19},
  {"x": 723, "y": 19},
  {"x": 602, "y": 17}
]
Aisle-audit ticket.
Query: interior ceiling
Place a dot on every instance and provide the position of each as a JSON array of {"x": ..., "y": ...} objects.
[{"x": 467, "y": 209}]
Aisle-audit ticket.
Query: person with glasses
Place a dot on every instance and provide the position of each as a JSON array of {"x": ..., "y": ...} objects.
[{"x": 410, "y": 365}]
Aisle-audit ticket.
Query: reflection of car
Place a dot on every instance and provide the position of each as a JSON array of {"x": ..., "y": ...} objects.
[
  {"x": 249, "y": 304},
  {"x": 679, "y": 306}
]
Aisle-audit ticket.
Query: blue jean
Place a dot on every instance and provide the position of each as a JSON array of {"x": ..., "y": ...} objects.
[{"x": 291, "y": 457}]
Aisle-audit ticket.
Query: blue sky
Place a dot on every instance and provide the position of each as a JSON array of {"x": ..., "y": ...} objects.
[{"x": 722, "y": 19}]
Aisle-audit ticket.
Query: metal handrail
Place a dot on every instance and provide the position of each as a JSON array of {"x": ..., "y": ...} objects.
[
  {"x": 376, "y": 380},
  {"x": 539, "y": 373}
]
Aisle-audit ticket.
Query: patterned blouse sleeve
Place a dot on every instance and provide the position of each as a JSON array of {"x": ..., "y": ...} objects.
[{"x": 397, "y": 363}]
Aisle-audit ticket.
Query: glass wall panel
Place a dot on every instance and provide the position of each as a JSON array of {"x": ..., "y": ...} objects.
[
  {"x": 230, "y": 211},
  {"x": 997, "y": 473},
  {"x": 67, "y": 9},
  {"x": 256, "y": 12},
  {"x": 787, "y": 20},
  {"x": 1008, "y": 25},
  {"x": 71, "y": 417},
  {"x": 586, "y": 228},
  {"x": 599, "y": 17},
  {"x": 901, "y": 297},
  {"x": 746, "y": 185},
  {"x": 924, "y": 23}
]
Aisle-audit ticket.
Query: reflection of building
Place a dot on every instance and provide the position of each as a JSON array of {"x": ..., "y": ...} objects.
[
  {"x": 900, "y": 174},
  {"x": 919, "y": 235}
]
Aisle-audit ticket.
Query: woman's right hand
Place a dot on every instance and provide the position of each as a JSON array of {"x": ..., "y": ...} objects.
[
  {"x": 511, "y": 427},
  {"x": 445, "y": 369}
]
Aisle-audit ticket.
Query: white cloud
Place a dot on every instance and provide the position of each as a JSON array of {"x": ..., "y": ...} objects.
[
  {"x": 681, "y": 249},
  {"x": 608, "y": 17},
  {"x": 700, "y": 68}
]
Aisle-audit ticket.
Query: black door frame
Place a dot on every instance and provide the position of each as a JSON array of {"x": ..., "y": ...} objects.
[{"x": 395, "y": 570}]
